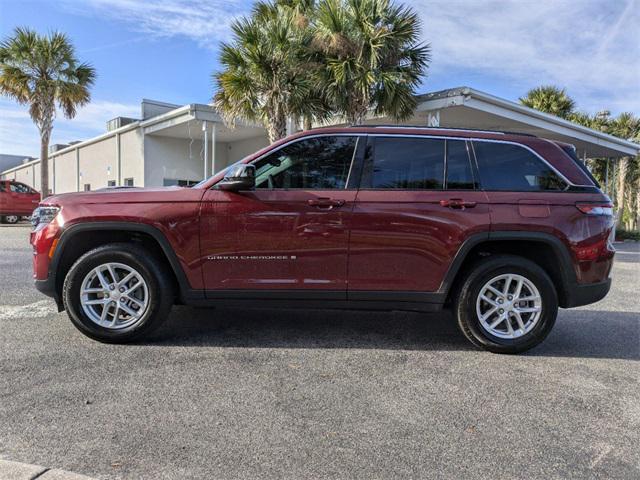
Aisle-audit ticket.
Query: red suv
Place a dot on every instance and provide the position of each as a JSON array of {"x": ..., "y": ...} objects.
[
  {"x": 503, "y": 228},
  {"x": 16, "y": 200}
]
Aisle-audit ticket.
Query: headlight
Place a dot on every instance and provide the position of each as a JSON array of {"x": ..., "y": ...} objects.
[{"x": 43, "y": 216}]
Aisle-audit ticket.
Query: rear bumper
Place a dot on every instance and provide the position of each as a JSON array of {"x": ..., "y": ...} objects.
[{"x": 584, "y": 294}]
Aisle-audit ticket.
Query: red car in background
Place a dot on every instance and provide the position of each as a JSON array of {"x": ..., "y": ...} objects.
[{"x": 16, "y": 200}]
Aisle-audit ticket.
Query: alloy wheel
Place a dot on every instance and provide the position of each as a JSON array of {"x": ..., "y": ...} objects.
[
  {"x": 509, "y": 306},
  {"x": 114, "y": 296}
]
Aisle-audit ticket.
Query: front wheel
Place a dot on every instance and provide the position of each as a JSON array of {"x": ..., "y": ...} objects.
[
  {"x": 507, "y": 304},
  {"x": 117, "y": 293}
]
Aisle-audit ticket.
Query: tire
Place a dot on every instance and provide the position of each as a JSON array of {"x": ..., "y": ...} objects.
[
  {"x": 537, "y": 316},
  {"x": 10, "y": 219},
  {"x": 154, "y": 296}
]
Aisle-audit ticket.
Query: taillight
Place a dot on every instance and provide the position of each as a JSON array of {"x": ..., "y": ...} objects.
[{"x": 602, "y": 209}]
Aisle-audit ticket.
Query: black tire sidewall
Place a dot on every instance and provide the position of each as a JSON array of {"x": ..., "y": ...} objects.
[
  {"x": 479, "y": 276},
  {"x": 160, "y": 292}
]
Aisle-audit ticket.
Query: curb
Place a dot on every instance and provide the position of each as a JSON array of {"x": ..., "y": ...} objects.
[{"x": 23, "y": 471}]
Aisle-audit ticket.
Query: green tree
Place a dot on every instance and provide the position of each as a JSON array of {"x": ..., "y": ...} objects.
[
  {"x": 549, "y": 99},
  {"x": 42, "y": 71},
  {"x": 370, "y": 57},
  {"x": 266, "y": 70}
]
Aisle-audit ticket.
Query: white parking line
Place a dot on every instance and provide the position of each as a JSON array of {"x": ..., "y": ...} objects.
[{"x": 39, "y": 309}]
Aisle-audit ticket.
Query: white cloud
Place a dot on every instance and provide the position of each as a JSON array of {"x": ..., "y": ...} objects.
[
  {"x": 591, "y": 47},
  {"x": 19, "y": 136},
  {"x": 205, "y": 21}
]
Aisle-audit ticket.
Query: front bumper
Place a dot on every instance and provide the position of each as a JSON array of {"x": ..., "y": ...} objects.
[
  {"x": 48, "y": 287},
  {"x": 584, "y": 294}
]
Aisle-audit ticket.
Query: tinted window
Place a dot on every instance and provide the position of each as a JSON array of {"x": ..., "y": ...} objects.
[
  {"x": 407, "y": 163},
  {"x": 313, "y": 164},
  {"x": 2, "y": 185},
  {"x": 504, "y": 166},
  {"x": 459, "y": 173}
]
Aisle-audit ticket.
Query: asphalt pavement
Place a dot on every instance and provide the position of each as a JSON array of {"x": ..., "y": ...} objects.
[{"x": 239, "y": 394}]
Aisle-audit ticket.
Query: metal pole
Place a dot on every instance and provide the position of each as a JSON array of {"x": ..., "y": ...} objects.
[
  {"x": 606, "y": 177},
  {"x": 214, "y": 166},
  {"x": 206, "y": 147}
]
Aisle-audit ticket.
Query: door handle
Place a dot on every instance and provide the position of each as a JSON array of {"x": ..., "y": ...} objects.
[
  {"x": 325, "y": 203},
  {"x": 457, "y": 203}
]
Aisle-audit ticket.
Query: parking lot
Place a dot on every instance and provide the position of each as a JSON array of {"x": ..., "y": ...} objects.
[{"x": 231, "y": 394}]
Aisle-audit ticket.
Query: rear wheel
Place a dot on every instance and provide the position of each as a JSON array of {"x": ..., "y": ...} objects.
[
  {"x": 117, "y": 293},
  {"x": 507, "y": 304}
]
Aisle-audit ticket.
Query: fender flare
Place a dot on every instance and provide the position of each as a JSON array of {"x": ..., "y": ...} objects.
[
  {"x": 185, "y": 290},
  {"x": 567, "y": 272}
]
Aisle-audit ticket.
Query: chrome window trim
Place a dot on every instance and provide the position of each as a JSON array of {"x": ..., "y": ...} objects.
[
  {"x": 473, "y": 139},
  {"x": 407, "y": 135}
]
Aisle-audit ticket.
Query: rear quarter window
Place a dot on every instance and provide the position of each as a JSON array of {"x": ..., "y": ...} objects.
[{"x": 511, "y": 167}]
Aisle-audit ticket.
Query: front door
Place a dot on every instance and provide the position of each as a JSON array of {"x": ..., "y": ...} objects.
[
  {"x": 289, "y": 234},
  {"x": 411, "y": 216}
]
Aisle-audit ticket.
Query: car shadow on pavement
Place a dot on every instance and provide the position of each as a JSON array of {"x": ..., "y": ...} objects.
[
  {"x": 577, "y": 333},
  {"x": 271, "y": 328}
]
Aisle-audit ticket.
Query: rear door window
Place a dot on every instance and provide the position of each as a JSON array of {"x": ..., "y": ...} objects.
[
  {"x": 406, "y": 163},
  {"x": 510, "y": 167}
]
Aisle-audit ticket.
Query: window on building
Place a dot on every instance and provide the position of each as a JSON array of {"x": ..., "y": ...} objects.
[
  {"x": 509, "y": 167},
  {"x": 87, "y": 187},
  {"x": 170, "y": 182},
  {"x": 111, "y": 183},
  {"x": 459, "y": 172},
  {"x": 406, "y": 163},
  {"x": 315, "y": 164},
  {"x": 128, "y": 182}
]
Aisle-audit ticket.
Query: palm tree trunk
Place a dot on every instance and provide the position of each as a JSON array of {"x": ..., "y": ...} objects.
[
  {"x": 277, "y": 127},
  {"x": 623, "y": 167},
  {"x": 44, "y": 163}
]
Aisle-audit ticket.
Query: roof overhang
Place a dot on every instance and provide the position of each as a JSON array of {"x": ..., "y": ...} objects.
[{"x": 468, "y": 108}]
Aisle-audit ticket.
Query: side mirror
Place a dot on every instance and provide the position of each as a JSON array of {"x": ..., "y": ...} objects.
[{"x": 242, "y": 177}]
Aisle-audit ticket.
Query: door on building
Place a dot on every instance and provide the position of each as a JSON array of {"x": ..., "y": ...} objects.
[
  {"x": 291, "y": 232},
  {"x": 419, "y": 200}
]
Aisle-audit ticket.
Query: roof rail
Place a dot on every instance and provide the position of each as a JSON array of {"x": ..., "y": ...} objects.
[{"x": 422, "y": 127}]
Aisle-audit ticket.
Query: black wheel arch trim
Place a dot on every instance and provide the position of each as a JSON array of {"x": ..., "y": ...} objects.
[
  {"x": 567, "y": 272},
  {"x": 185, "y": 290}
]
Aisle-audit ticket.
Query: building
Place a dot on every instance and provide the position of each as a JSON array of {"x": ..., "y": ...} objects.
[
  {"x": 9, "y": 161},
  {"x": 179, "y": 145}
]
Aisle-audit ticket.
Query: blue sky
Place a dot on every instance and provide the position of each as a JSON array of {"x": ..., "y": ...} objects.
[{"x": 167, "y": 50}]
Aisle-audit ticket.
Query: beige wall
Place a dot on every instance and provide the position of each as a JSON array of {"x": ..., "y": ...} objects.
[
  {"x": 148, "y": 161},
  {"x": 240, "y": 149},
  {"x": 132, "y": 157},
  {"x": 96, "y": 160},
  {"x": 66, "y": 172},
  {"x": 168, "y": 157}
]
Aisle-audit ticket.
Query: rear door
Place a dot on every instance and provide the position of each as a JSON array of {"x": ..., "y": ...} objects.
[{"x": 412, "y": 213}]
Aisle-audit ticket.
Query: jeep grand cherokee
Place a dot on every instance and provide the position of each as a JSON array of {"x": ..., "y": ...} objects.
[{"x": 502, "y": 228}]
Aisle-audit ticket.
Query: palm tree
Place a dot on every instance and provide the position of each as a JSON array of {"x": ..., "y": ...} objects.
[
  {"x": 549, "y": 99},
  {"x": 42, "y": 71},
  {"x": 370, "y": 57},
  {"x": 627, "y": 126},
  {"x": 266, "y": 76}
]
